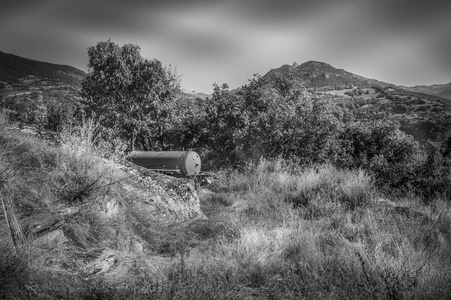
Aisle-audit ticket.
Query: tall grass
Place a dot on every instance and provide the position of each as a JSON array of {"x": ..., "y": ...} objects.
[
  {"x": 275, "y": 231},
  {"x": 70, "y": 181},
  {"x": 320, "y": 233}
]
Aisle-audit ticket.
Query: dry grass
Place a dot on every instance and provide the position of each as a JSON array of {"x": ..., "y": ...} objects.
[
  {"x": 319, "y": 233},
  {"x": 275, "y": 231},
  {"x": 47, "y": 179}
]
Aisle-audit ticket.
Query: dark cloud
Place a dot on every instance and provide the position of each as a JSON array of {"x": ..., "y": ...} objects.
[
  {"x": 410, "y": 14},
  {"x": 205, "y": 46},
  {"x": 229, "y": 40},
  {"x": 12, "y": 7},
  {"x": 403, "y": 13},
  {"x": 281, "y": 11},
  {"x": 103, "y": 15}
]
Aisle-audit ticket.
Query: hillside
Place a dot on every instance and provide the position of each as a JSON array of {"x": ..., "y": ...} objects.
[
  {"x": 314, "y": 193},
  {"x": 49, "y": 91},
  {"x": 78, "y": 226},
  {"x": 421, "y": 113},
  {"x": 440, "y": 90},
  {"x": 13, "y": 68},
  {"x": 316, "y": 74},
  {"x": 77, "y": 218}
]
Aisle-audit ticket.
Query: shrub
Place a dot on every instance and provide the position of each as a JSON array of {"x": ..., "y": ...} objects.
[
  {"x": 432, "y": 176},
  {"x": 381, "y": 148},
  {"x": 399, "y": 109}
]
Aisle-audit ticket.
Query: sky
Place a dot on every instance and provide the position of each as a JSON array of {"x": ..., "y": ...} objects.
[{"x": 404, "y": 42}]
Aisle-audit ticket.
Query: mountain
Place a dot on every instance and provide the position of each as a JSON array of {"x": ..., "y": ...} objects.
[
  {"x": 13, "y": 68},
  {"x": 316, "y": 74},
  {"x": 422, "y": 111},
  {"x": 441, "y": 90},
  {"x": 202, "y": 96}
]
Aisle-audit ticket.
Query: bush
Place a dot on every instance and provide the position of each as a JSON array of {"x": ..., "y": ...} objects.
[
  {"x": 382, "y": 148},
  {"x": 399, "y": 109},
  {"x": 432, "y": 177}
]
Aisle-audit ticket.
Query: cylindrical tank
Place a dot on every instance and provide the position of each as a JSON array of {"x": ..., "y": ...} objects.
[{"x": 185, "y": 162}]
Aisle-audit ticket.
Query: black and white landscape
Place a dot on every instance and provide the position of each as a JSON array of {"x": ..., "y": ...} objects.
[{"x": 323, "y": 130}]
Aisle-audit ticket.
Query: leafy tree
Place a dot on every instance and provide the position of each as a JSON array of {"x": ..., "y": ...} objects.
[
  {"x": 382, "y": 148},
  {"x": 188, "y": 125},
  {"x": 130, "y": 94},
  {"x": 268, "y": 120},
  {"x": 225, "y": 116},
  {"x": 433, "y": 176},
  {"x": 285, "y": 84}
]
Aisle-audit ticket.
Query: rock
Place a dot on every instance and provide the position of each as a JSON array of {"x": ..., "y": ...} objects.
[
  {"x": 161, "y": 197},
  {"x": 51, "y": 239},
  {"x": 110, "y": 208},
  {"x": 68, "y": 211},
  {"x": 103, "y": 263},
  {"x": 137, "y": 247},
  {"x": 40, "y": 224}
]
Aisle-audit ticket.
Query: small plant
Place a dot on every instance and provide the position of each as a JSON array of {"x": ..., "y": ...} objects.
[{"x": 80, "y": 139}]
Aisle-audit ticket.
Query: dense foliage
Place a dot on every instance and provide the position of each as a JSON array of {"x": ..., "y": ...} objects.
[
  {"x": 269, "y": 117},
  {"x": 139, "y": 101},
  {"x": 45, "y": 109},
  {"x": 258, "y": 121},
  {"x": 282, "y": 119},
  {"x": 130, "y": 94},
  {"x": 305, "y": 205}
]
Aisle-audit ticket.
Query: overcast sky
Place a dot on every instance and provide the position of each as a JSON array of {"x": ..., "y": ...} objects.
[{"x": 405, "y": 42}]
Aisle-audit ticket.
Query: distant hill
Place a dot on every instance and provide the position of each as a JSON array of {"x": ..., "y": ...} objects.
[
  {"x": 441, "y": 90},
  {"x": 202, "y": 96},
  {"x": 316, "y": 74},
  {"x": 445, "y": 94},
  {"x": 13, "y": 67},
  {"x": 422, "y": 111}
]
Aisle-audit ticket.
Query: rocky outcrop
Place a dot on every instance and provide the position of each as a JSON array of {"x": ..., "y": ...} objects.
[
  {"x": 148, "y": 203},
  {"x": 161, "y": 197}
]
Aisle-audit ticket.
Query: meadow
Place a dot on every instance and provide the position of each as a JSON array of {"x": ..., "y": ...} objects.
[
  {"x": 313, "y": 195},
  {"x": 275, "y": 230}
]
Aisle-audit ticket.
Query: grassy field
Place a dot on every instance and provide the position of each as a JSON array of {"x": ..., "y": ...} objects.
[
  {"x": 323, "y": 233},
  {"x": 274, "y": 231}
]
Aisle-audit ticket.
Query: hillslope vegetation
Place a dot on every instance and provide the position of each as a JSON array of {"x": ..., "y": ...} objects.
[
  {"x": 441, "y": 90},
  {"x": 316, "y": 189},
  {"x": 422, "y": 111},
  {"x": 75, "y": 226},
  {"x": 13, "y": 68}
]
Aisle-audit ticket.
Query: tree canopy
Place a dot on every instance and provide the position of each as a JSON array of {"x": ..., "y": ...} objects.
[{"x": 130, "y": 94}]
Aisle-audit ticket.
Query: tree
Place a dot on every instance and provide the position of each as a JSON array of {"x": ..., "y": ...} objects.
[
  {"x": 380, "y": 147},
  {"x": 266, "y": 120},
  {"x": 132, "y": 95}
]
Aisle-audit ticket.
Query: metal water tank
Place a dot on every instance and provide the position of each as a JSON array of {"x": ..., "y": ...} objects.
[{"x": 187, "y": 163}]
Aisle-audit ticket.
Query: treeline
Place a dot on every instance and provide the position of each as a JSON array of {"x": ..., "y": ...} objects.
[
  {"x": 47, "y": 109},
  {"x": 139, "y": 101},
  {"x": 267, "y": 119}
]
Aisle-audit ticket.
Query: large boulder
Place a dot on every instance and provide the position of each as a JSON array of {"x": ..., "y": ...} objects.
[{"x": 160, "y": 197}]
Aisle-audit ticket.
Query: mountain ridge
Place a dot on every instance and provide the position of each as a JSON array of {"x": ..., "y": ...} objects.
[
  {"x": 441, "y": 90},
  {"x": 316, "y": 74},
  {"x": 311, "y": 74},
  {"x": 14, "y": 67},
  {"x": 322, "y": 75}
]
